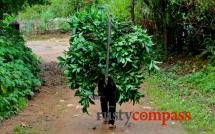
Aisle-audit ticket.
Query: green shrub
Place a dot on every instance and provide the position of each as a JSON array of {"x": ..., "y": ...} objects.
[
  {"x": 18, "y": 72},
  {"x": 33, "y": 13},
  {"x": 64, "y": 26},
  {"x": 53, "y": 9}
]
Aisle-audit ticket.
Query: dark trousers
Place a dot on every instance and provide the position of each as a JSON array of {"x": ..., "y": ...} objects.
[{"x": 108, "y": 106}]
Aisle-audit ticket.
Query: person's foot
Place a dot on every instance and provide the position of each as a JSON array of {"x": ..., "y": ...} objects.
[
  {"x": 112, "y": 126},
  {"x": 105, "y": 121}
]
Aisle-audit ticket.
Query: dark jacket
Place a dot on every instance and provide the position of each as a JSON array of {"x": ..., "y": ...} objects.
[{"x": 109, "y": 91}]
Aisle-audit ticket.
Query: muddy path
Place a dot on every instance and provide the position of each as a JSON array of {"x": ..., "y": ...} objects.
[{"x": 55, "y": 110}]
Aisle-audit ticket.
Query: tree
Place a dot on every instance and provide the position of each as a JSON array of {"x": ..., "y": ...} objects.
[
  {"x": 14, "y": 6},
  {"x": 132, "y": 10},
  {"x": 183, "y": 25},
  {"x": 160, "y": 15}
]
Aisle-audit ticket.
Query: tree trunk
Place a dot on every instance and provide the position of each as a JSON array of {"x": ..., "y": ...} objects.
[
  {"x": 1, "y": 10},
  {"x": 165, "y": 41},
  {"x": 164, "y": 25},
  {"x": 1, "y": 16},
  {"x": 132, "y": 10}
]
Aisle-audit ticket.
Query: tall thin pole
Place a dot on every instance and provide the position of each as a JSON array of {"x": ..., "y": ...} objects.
[{"x": 108, "y": 48}]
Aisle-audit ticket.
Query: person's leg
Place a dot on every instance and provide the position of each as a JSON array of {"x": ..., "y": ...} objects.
[
  {"x": 112, "y": 110},
  {"x": 104, "y": 108}
]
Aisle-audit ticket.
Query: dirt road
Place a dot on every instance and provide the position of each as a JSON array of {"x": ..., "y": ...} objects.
[{"x": 55, "y": 110}]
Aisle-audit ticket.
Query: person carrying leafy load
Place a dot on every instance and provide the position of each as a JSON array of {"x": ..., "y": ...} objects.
[{"x": 131, "y": 51}]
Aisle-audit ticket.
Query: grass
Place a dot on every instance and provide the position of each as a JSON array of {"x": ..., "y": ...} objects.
[
  {"x": 22, "y": 130},
  {"x": 173, "y": 92}
]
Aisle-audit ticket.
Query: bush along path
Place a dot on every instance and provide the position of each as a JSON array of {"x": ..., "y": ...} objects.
[
  {"x": 55, "y": 110},
  {"x": 19, "y": 70}
]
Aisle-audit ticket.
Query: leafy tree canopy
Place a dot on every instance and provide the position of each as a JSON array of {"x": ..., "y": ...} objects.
[{"x": 13, "y": 6}]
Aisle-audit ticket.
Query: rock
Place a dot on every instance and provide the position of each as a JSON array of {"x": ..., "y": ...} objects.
[{"x": 70, "y": 105}]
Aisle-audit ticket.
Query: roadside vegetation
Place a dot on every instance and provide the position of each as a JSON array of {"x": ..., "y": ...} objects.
[
  {"x": 18, "y": 71},
  {"x": 186, "y": 86}
]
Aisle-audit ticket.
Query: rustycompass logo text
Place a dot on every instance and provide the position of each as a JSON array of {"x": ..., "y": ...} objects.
[{"x": 163, "y": 117}]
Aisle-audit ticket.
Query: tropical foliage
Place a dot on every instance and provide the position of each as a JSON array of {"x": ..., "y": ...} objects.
[{"x": 18, "y": 72}]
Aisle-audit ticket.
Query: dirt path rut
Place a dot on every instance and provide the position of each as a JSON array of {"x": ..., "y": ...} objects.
[{"x": 55, "y": 110}]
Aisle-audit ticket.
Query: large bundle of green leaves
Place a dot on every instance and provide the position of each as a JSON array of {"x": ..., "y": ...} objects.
[
  {"x": 18, "y": 72},
  {"x": 85, "y": 61}
]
